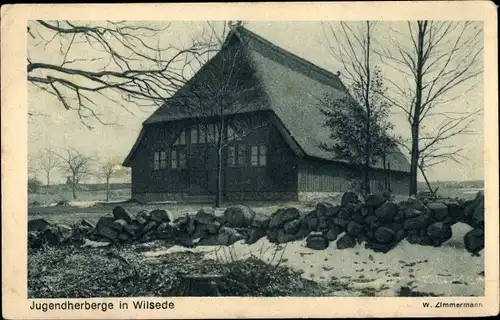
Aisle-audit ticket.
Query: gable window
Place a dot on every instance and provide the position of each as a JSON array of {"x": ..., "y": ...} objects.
[
  {"x": 202, "y": 133},
  {"x": 181, "y": 139},
  {"x": 160, "y": 160},
  {"x": 178, "y": 159},
  {"x": 237, "y": 155},
  {"x": 232, "y": 134},
  {"x": 258, "y": 155},
  {"x": 211, "y": 136},
  {"x": 194, "y": 134}
]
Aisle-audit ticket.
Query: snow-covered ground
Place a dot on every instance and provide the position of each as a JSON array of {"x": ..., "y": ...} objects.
[{"x": 448, "y": 270}]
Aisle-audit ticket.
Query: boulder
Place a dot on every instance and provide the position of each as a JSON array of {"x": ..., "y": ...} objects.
[
  {"x": 166, "y": 231},
  {"x": 119, "y": 225},
  {"x": 239, "y": 216},
  {"x": 396, "y": 226},
  {"x": 160, "y": 215},
  {"x": 415, "y": 204},
  {"x": 439, "y": 211},
  {"x": 354, "y": 228},
  {"x": 254, "y": 235},
  {"x": 411, "y": 213},
  {"x": 228, "y": 236},
  {"x": 384, "y": 235},
  {"x": 87, "y": 223},
  {"x": 35, "y": 240},
  {"x": 205, "y": 215},
  {"x": 150, "y": 226},
  {"x": 381, "y": 247},
  {"x": 419, "y": 239},
  {"x": 260, "y": 220},
  {"x": 105, "y": 222},
  {"x": 340, "y": 222},
  {"x": 332, "y": 233},
  {"x": 386, "y": 211},
  {"x": 349, "y": 197},
  {"x": 200, "y": 230},
  {"x": 65, "y": 231},
  {"x": 477, "y": 218},
  {"x": 122, "y": 213},
  {"x": 366, "y": 211},
  {"x": 375, "y": 200},
  {"x": 317, "y": 242},
  {"x": 421, "y": 221},
  {"x": 210, "y": 240},
  {"x": 123, "y": 237},
  {"x": 311, "y": 220},
  {"x": 327, "y": 209},
  {"x": 292, "y": 227},
  {"x": 143, "y": 217},
  {"x": 107, "y": 233},
  {"x": 191, "y": 225},
  {"x": 345, "y": 214},
  {"x": 213, "y": 227},
  {"x": 52, "y": 236},
  {"x": 131, "y": 229},
  {"x": 38, "y": 225},
  {"x": 372, "y": 222},
  {"x": 272, "y": 235},
  {"x": 399, "y": 235},
  {"x": 439, "y": 232},
  {"x": 474, "y": 240},
  {"x": 357, "y": 217},
  {"x": 324, "y": 223},
  {"x": 455, "y": 212},
  {"x": 346, "y": 242},
  {"x": 282, "y": 216}
]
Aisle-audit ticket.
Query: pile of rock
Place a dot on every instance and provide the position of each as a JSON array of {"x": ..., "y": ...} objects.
[
  {"x": 381, "y": 224},
  {"x": 378, "y": 222}
]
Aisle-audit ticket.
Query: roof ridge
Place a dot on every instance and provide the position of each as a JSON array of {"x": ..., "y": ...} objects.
[{"x": 290, "y": 54}]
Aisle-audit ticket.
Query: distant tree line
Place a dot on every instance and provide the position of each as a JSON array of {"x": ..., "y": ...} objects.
[{"x": 75, "y": 166}]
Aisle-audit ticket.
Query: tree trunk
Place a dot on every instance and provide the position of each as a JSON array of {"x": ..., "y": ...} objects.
[
  {"x": 433, "y": 192},
  {"x": 415, "y": 117},
  {"x": 218, "y": 193},
  {"x": 414, "y": 160},
  {"x": 73, "y": 187},
  {"x": 366, "y": 177},
  {"x": 389, "y": 188},
  {"x": 48, "y": 179},
  {"x": 386, "y": 174},
  {"x": 107, "y": 189}
]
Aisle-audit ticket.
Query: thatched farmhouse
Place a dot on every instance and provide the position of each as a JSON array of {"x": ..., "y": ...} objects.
[{"x": 254, "y": 106}]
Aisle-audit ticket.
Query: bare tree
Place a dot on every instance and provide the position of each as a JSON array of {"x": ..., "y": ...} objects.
[
  {"x": 47, "y": 162},
  {"x": 111, "y": 63},
  {"x": 438, "y": 62},
  {"x": 359, "y": 122},
  {"x": 217, "y": 95},
  {"x": 109, "y": 170},
  {"x": 76, "y": 164}
]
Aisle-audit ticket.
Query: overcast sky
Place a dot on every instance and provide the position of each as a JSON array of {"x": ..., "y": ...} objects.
[{"x": 54, "y": 127}]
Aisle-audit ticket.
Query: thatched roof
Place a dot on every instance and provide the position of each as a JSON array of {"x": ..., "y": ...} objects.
[{"x": 289, "y": 86}]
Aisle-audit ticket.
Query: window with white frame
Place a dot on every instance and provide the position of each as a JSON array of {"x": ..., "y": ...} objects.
[
  {"x": 181, "y": 139},
  {"x": 258, "y": 155},
  {"x": 178, "y": 159},
  {"x": 160, "y": 160},
  {"x": 237, "y": 155}
]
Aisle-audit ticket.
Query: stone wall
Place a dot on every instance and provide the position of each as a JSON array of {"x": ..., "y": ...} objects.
[{"x": 377, "y": 223}]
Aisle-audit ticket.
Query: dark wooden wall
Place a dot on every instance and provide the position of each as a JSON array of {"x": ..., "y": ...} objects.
[
  {"x": 279, "y": 175},
  {"x": 316, "y": 175}
]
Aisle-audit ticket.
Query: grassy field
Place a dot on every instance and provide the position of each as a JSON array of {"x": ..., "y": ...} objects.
[{"x": 46, "y": 198}]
